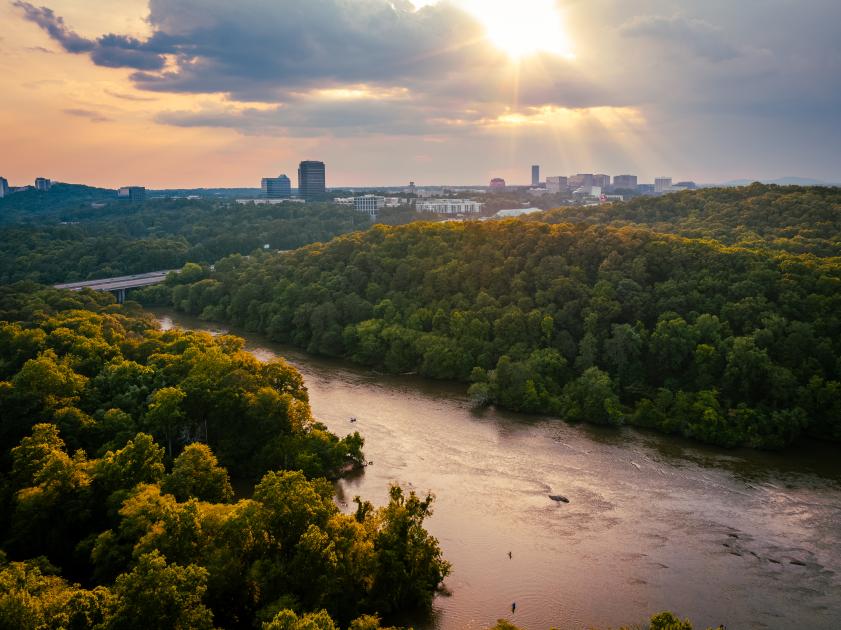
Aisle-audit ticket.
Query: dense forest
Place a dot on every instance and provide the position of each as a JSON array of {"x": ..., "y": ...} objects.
[
  {"x": 789, "y": 218},
  {"x": 28, "y": 206},
  {"x": 117, "y": 507},
  {"x": 123, "y": 238},
  {"x": 586, "y": 322}
]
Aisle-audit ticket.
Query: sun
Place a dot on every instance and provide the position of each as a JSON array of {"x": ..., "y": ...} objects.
[{"x": 523, "y": 27}]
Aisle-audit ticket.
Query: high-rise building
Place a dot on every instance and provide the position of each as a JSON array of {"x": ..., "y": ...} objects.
[
  {"x": 497, "y": 183},
  {"x": 311, "y": 179},
  {"x": 625, "y": 182},
  {"x": 602, "y": 181},
  {"x": 535, "y": 175},
  {"x": 135, "y": 194},
  {"x": 276, "y": 187},
  {"x": 412, "y": 189},
  {"x": 582, "y": 179},
  {"x": 4, "y": 187},
  {"x": 556, "y": 184},
  {"x": 42, "y": 184},
  {"x": 662, "y": 183}
]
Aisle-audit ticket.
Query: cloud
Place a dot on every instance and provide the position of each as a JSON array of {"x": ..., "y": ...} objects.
[
  {"x": 130, "y": 97},
  {"x": 698, "y": 36},
  {"x": 55, "y": 27},
  {"x": 90, "y": 114},
  {"x": 113, "y": 51}
]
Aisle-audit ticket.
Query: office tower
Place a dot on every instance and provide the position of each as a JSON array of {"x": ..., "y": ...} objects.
[
  {"x": 42, "y": 184},
  {"x": 581, "y": 180},
  {"x": 135, "y": 194},
  {"x": 412, "y": 189},
  {"x": 662, "y": 183},
  {"x": 276, "y": 187},
  {"x": 535, "y": 175},
  {"x": 497, "y": 183},
  {"x": 625, "y": 182},
  {"x": 556, "y": 184},
  {"x": 602, "y": 181},
  {"x": 311, "y": 179},
  {"x": 4, "y": 187}
]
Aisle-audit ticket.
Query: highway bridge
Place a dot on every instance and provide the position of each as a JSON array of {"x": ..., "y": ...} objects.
[{"x": 118, "y": 285}]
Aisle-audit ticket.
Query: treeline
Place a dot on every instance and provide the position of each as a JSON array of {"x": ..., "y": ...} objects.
[
  {"x": 123, "y": 238},
  {"x": 34, "y": 205},
  {"x": 116, "y": 506},
  {"x": 590, "y": 323},
  {"x": 789, "y": 218}
]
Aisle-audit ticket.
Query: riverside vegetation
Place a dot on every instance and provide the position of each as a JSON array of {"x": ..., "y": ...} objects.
[
  {"x": 588, "y": 322},
  {"x": 117, "y": 508},
  {"x": 117, "y": 439}
]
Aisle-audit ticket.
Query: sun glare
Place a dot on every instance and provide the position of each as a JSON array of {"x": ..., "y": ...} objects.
[{"x": 524, "y": 27}]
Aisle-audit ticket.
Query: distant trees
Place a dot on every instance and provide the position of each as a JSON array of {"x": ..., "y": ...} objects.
[{"x": 783, "y": 218}]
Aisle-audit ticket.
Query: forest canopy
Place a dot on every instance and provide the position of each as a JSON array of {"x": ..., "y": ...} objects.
[
  {"x": 788, "y": 218},
  {"x": 117, "y": 443},
  {"x": 611, "y": 325}
]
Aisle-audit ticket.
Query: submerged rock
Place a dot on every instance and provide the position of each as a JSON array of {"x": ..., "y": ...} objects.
[{"x": 559, "y": 498}]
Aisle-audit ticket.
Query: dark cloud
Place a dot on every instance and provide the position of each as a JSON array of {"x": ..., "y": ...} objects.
[
  {"x": 90, "y": 114},
  {"x": 113, "y": 51},
  {"x": 55, "y": 26}
]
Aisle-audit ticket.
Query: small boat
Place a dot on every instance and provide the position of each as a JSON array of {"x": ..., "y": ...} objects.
[{"x": 559, "y": 498}]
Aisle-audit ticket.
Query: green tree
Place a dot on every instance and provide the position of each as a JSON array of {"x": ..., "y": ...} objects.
[
  {"x": 160, "y": 595},
  {"x": 196, "y": 474}
]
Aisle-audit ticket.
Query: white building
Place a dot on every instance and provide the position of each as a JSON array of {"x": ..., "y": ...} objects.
[
  {"x": 449, "y": 206},
  {"x": 369, "y": 204},
  {"x": 661, "y": 184},
  {"x": 344, "y": 201},
  {"x": 588, "y": 191},
  {"x": 516, "y": 212},
  {"x": 42, "y": 184},
  {"x": 4, "y": 187}
]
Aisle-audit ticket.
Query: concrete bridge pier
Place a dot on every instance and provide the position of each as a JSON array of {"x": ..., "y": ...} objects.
[{"x": 121, "y": 296}]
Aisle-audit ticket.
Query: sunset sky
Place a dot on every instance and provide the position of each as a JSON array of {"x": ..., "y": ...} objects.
[{"x": 219, "y": 93}]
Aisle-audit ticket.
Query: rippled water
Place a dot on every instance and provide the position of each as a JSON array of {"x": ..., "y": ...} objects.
[{"x": 748, "y": 539}]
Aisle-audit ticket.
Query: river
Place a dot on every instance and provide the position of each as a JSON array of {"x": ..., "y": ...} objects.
[{"x": 743, "y": 538}]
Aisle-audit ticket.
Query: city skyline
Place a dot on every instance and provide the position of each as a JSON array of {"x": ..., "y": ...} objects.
[{"x": 444, "y": 94}]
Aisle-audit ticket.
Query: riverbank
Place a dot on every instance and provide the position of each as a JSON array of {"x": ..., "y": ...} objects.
[{"x": 655, "y": 522}]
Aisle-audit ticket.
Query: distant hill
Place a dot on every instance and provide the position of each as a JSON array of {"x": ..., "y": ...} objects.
[
  {"x": 33, "y": 205},
  {"x": 796, "y": 219},
  {"x": 782, "y": 181}
]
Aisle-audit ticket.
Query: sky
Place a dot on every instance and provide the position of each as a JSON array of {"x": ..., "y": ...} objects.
[{"x": 219, "y": 93}]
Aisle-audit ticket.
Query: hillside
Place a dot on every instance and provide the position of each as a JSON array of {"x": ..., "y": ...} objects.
[
  {"x": 585, "y": 322},
  {"x": 786, "y": 218},
  {"x": 34, "y": 206}
]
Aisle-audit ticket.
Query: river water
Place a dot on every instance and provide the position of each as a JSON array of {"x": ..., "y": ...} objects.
[{"x": 742, "y": 538}]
